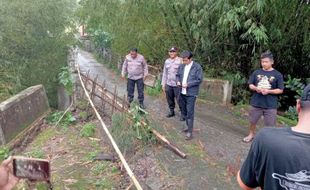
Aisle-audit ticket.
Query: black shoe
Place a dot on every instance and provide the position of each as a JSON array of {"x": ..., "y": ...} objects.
[
  {"x": 170, "y": 114},
  {"x": 182, "y": 119},
  {"x": 188, "y": 136}
]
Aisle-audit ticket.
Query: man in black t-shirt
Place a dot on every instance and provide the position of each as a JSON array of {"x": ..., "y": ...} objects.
[
  {"x": 279, "y": 158},
  {"x": 266, "y": 84}
]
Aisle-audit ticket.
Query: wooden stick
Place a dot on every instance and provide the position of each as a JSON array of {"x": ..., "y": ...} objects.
[
  {"x": 173, "y": 147},
  {"x": 129, "y": 171}
]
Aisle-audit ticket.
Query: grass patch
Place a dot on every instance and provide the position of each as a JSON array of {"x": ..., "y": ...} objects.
[
  {"x": 66, "y": 120},
  {"x": 114, "y": 169},
  {"x": 156, "y": 90},
  {"x": 82, "y": 104},
  {"x": 88, "y": 130},
  {"x": 83, "y": 115},
  {"x": 130, "y": 131},
  {"x": 90, "y": 156},
  {"x": 240, "y": 109},
  {"x": 103, "y": 184},
  {"x": 41, "y": 186},
  {"x": 36, "y": 153},
  {"x": 81, "y": 184},
  {"x": 43, "y": 137},
  {"x": 125, "y": 135},
  {"x": 100, "y": 167},
  {"x": 194, "y": 150},
  {"x": 202, "y": 94},
  {"x": 4, "y": 153}
]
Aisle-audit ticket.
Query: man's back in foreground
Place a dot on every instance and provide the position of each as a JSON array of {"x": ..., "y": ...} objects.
[{"x": 279, "y": 158}]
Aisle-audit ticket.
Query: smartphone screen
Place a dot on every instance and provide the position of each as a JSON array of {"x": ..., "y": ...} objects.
[{"x": 31, "y": 168}]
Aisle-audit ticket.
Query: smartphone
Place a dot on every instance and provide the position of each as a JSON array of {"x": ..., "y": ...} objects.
[{"x": 31, "y": 168}]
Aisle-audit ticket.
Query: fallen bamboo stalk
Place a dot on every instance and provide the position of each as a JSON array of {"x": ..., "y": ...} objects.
[
  {"x": 174, "y": 148},
  {"x": 124, "y": 162},
  {"x": 170, "y": 145}
]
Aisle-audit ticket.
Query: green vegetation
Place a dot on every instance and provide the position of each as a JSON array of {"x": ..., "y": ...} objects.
[
  {"x": 90, "y": 156},
  {"x": 44, "y": 136},
  {"x": 295, "y": 87},
  {"x": 194, "y": 150},
  {"x": 4, "y": 153},
  {"x": 83, "y": 115},
  {"x": 155, "y": 91},
  {"x": 82, "y": 104},
  {"x": 66, "y": 120},
  {"x": 121, "y": 129},
  {"x": 36, "y": 153},
  {"x": 202, "y": 94},
  {"x": 53, "y": 117},
  {"x": 65, "y": 79},
  {"x": 34, "y": 40},
  {"x": 100, "y": 167},
  {"x": 286, "y": 121},
  {"x": 130, "y": 128},
  {"x": 226, "y": 37},
  {"x": 88, "y": 130},
  {"x": 103, "y": 184},
  {"x": 140, "y": 124}
]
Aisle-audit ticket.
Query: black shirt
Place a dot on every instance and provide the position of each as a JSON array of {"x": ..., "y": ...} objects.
[
  {"x": 279, "y": 158},
  {"x": 266, "y": 80}
]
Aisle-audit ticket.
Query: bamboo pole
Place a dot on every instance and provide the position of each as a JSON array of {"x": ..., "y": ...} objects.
[
  {"x": 174, "y": 148},
  {"x": 124, "y": 162}
]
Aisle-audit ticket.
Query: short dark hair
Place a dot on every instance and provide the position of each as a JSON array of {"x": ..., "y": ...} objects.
[
  {"x": 134, "y": 50},
  {"x": 266, "y": 54},
  {"x": 187, "y": 54},
  {"x": 305, "y": 98}
]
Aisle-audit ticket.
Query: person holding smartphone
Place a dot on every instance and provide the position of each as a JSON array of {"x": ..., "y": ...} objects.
[
  {"x": 7, "y": 178},
  {"x": 189, "y": 78}
]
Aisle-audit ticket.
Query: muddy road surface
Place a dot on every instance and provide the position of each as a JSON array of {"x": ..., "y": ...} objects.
[{"x": 214, "y": 155}]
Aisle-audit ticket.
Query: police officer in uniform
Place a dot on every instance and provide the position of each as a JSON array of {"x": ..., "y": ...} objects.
[
  {"x": 135, "y": 67},
  {"x": 169, "y": 82}
]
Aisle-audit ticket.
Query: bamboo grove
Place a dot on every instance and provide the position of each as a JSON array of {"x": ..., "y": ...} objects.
[
  {"x": 226, "y": 36},
  {"x": 34, "y": 40}
]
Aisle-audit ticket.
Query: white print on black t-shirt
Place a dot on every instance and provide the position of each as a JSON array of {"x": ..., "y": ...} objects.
[
  {"x": 264, "y": 82},
  {"x": 297, "y": 181}
]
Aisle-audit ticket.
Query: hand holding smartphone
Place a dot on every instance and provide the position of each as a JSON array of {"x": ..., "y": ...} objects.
[{"x": 33, "y": 169}]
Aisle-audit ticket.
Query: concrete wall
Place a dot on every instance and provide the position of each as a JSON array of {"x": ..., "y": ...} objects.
[
  {"x": 64, "y": 99},
  {"x": 21, "y": 110},
  {"x": 216, "y": 90}
]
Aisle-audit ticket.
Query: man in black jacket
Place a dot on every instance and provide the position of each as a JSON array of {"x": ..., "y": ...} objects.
[{"x": 189, "y": 77}]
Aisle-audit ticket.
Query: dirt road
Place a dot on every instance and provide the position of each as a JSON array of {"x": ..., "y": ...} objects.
[{"x": 215, "y": 153}]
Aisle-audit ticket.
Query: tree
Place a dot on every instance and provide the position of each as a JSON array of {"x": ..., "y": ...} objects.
[
  {"x": 226, "y": 36},
  {"x": 34, "y": 40}
]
